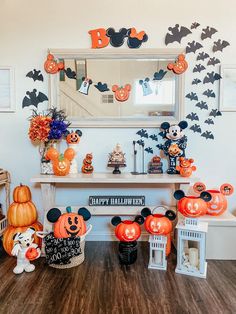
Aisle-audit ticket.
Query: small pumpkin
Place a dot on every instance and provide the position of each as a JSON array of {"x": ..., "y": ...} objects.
[
  {"x": 22, "y": 194},
  {"x": 192, "y": 206},
  {"x": 73, "y": 137},
  {"x": 68, "y": 224},
  {"x": 32, "y": 254},
  {"x": 61, "y": 166},
  {"x": 127, "y": 230},
  {"x": 11, "y": 231}
]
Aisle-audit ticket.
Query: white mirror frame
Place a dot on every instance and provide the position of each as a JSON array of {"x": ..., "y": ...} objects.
[
  {"x": 11, "y": 89},
  {"x": 111, "y": 53},
  {"x": 222, "y": 106}
]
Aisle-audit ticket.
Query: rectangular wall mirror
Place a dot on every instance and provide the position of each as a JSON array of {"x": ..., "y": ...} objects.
[{"x": 152, "y": 98}]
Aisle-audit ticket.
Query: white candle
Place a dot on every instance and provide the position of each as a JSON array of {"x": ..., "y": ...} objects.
[
  {"x": 193, "y": 256},
  {"x": 158, "y": 257}
]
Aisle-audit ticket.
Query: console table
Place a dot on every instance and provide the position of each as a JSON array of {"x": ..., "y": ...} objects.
[{"x": 48, "y": 185}]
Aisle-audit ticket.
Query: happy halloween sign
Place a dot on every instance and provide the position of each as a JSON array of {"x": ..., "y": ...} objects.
[{"x": 116, "y": 200}]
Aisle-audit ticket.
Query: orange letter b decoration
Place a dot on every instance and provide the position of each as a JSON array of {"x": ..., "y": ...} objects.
[{"x": 99, "y": 38}]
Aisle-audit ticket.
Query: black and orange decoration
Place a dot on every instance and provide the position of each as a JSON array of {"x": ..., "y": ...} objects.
[
  {"x": 101, "y": 37},
  {"x": 180, "y": 66},
  {"x": 121, "y": 93},
  {"x": 51, "y": 66},
  {"x": 185, "y": 167}
]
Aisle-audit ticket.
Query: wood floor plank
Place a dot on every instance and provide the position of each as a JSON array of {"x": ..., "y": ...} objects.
[{"x": 101, "y": 285}]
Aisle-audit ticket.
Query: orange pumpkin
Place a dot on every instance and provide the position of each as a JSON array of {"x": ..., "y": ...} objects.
[
  {"x": 73, "y": 137},
  {"x": 22, "y": 194},
  {"x": 31, "y": 254},
  {"x": 218, "y": 203},
  {"x": 127, "y": 230},
  {"x": 180, "y": 66},
  {"x": 61, "y": 166},
  {"x": 51, "y": 66},
  {"x": 11, "y": 231},
  {"x": 192, "y": 206},
  {"x": 68, "y": 224},
  {"x": 158, "y": 224},
  {"x": 21, "y": 214},
  {"x": 121, "y": 93}
]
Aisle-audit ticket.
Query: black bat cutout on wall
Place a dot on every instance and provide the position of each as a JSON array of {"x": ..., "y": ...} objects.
[
  {"x": 196, "y": 128},
  {"x": 192, "y": 116},
  {"x": 202, "y": 105},
  {"x": 162, "y": 134},
  {"x": 209, "y": 121},
  {"x": 195, "y": 25},
  {"x": 198, "y": 68},
  {"x": 149, "y": 150},
  {"x": 32, "y": 99},
  {"x": 192, "y": 96},
  {"x": 209, "y": 93},
  {"x": 193, "y": 47},
  {"x": 208, "y": 32},
  {"x": 213, "y": 61},
  {"x": 215, "y": 113},
  {"x": 140, "y": 142},
  {"x": 211, "y": 77},
  {"x": 70, "y": 74},
  {"x": 196, "y": 81},
  {"x": 35, "y": 75},
  {"x": 154, "y": 137},
  {"x": 142, "y": 133},
  {"x": 219, "y": 45},
  {"x": 202, "y": 56},
  {"x": 208, "y": 135},
  {"x": 176, "y": 33},
  {"x": 157, "y": 76}
]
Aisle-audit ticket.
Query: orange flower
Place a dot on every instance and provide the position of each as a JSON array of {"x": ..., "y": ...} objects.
[{"x": 39, "y": 128}]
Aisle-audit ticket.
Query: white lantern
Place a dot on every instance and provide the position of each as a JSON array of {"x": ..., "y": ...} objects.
[
  {"x": 191, "y": 247},
  {"x": 157, "y": 257}
]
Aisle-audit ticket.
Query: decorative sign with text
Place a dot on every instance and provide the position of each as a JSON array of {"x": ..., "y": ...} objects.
[{"x": 116, "y": 200}]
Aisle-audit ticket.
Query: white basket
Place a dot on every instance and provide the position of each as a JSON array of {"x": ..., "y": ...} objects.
[{"x": 3, "y": 225}]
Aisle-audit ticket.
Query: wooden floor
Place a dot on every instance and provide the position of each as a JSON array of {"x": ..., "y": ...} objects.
[{"x": 101, "y": 285}]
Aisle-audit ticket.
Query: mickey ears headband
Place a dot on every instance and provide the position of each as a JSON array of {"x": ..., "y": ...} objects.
[
  {"x": 170, "y": 214},
  {"x": 116, "y": 220}
]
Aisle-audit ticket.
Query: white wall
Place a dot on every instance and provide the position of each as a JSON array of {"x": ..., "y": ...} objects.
[{"x": 28, "y": 29}]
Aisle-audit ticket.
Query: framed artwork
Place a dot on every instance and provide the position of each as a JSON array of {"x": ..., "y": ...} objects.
[
  {"x": 7, "y": 101},
  {"x": 228, "y": 88}
]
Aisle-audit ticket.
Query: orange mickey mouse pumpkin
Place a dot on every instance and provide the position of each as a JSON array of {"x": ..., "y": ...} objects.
[
  {"x": 61, "y": 166},
  {"x": 180, "y": 66},
  {"x": 158, "y": 224},
  {"x": 185, "y": 167},
  {"x": 51, "y": 66},
  {"x": 127, "y": 230},
  {"x": 218, "y": 203},
  {"x": 73, "y": 137},
  {"x": 121, "y": 93},
  {"x": 192, "y": 206},
  {"x": 32, "y": 254},
  {"x": 68, "y": 224}
]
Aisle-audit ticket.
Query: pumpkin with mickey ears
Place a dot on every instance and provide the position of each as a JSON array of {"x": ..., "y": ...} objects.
[
  {"x": 68, "y": 224},
  {"x": 158, "y": 224},
  {"x": 127, "y": 230},
  {"x": 51, "y": 66},
  {"x": 192, "y": 206},
  {"x": 121, "y": 93},
  {"x": 73, "y": 137}
]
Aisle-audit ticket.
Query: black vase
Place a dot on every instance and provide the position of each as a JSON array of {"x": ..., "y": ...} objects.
[{"x": 128, "y": 252}]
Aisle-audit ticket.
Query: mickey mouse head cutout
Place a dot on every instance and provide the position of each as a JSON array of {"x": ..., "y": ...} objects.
[
  {"x": 51, "y": 66},
  {"x": 68, "y": 224},
  {"x": 121, "y": 93},
  {"x": 116, "y": 38},
  {"x": 180, "y": 66},
  {"x": 158, "y": 224}
]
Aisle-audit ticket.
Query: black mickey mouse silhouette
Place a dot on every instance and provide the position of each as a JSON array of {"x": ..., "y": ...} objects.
[
  {"x": 135, "y": 39},
  {"x": 116, "y": 38}
]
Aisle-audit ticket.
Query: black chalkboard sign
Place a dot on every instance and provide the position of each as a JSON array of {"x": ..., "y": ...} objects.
[
  {"x": 110, "y": 200},
  {"x": 61, "y": 250}
]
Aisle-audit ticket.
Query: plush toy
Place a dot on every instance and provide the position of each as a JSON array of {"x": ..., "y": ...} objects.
[
  {"x": 25, "y": 251},
  {"x": 180, "y": 66},
  {"x": 175, "y": 144},
  {"x": 73, "y": 140},
  {"x": 185, "y": 167}
]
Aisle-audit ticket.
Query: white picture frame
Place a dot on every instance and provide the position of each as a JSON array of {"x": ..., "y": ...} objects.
[
  {"x": 228, "y": 88},
  {"x": 7, "y": 93}
]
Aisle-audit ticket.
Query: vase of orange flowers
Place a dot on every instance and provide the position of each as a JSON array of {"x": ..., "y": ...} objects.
[{"x": 47, "y": 129}]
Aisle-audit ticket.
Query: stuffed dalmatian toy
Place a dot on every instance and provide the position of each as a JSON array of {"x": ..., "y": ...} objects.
[
  {"x": 176, "y": 143},
  {"x": 25, "y": 251}
]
